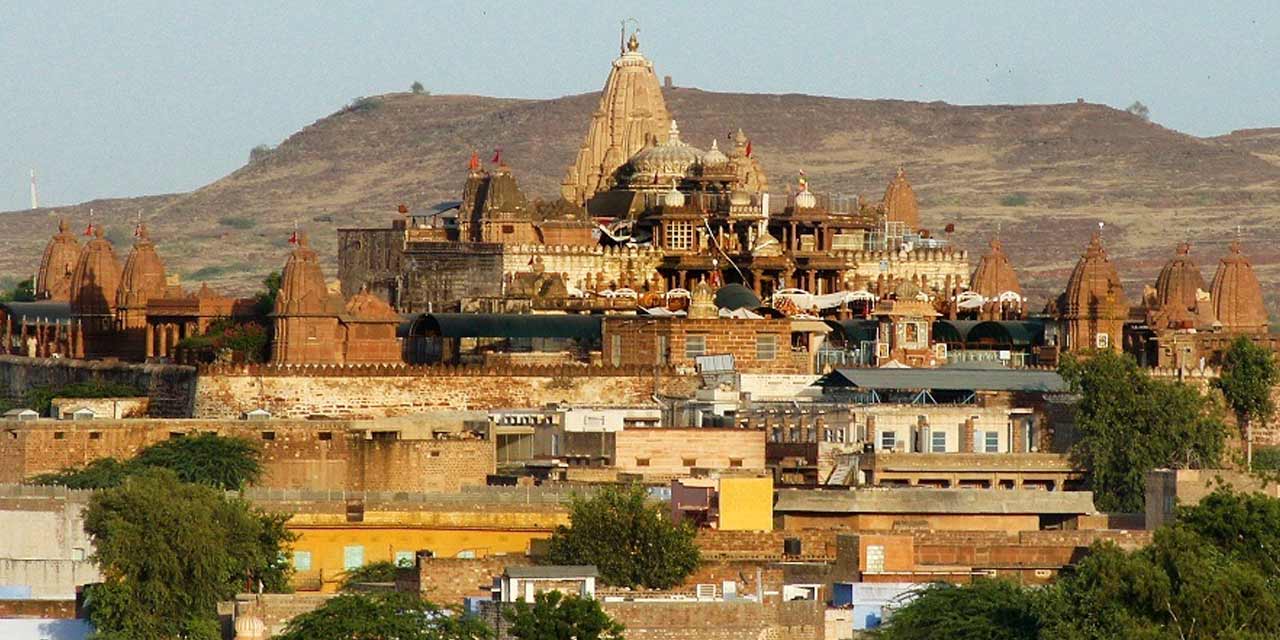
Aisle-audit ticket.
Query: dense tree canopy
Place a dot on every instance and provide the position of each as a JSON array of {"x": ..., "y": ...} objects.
[
  {"x": 208, "y": 459},
  {"x": 628, "y": 538},
  {"x": 383, "y": 616},
  {"x": 1249, "y": 372},
  {"x": 170, "y": 551},
  {"x": 381, "y": 571},
  {"x": 1211, "y": 574},
  {"x": 1129, "y": 424},
  {"x": 555, "y": 616}
]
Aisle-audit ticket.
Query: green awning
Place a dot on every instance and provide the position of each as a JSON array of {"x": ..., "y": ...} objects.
[{"x": 1015, "y": 333}]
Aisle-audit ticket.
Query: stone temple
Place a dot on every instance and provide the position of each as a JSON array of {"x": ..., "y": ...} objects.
[{"x": 645, "y": 212}]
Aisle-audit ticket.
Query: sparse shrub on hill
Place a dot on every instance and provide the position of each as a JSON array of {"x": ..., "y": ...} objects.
[
  {"x": 1014, "y": 200},
  {"x": 418, "y": 90},
  {"x": 364, "y": 103},
  {"x": 238, "y": 222},
  {"x": 1140, "y": 110},
  {"x": 259, "y": 152}
]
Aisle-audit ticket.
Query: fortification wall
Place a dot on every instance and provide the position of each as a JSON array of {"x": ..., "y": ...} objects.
[
  {"x": 170, "y": 387},
  {"x": 728, "y": 620},
  {"x": 376, "y": 392}
]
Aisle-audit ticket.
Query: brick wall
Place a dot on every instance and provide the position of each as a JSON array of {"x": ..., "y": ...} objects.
[
  {"x": 670, "y": 451},
  {"x": 371, "y": 392},
  {"x": 446, "y": 581},
  {"x": 638, "y": 342},
  {"x": 750, "y": 545},
  {"x": 170, "y": 387},
  {"x": 729, "y": 620}
]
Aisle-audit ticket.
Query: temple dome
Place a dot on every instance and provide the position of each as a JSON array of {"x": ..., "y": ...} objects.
[
  {"x": 995, "y": 275},
  {"x": 714, "y": 157},
  {"x": 900, "y": 203},
  {"x": 673, "y": 198},
  {"x": 53, "y": 281},
  {"x": 630, "y": 113},
  {"x": 302, "y": 286},
  {"x": 734, "y": 296},
  {"x": 668, "y": 160},
  {"x": 96, "y": 278},
  {"x": 143, "y": 276},
  {"x": 1094, "y": 288},
  {"x": 366, "y": 307},
  {"x": 1179, "y": 280},
  {"x": 1236, "y": 294}
]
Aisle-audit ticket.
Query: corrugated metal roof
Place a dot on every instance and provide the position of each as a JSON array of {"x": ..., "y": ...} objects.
[
  {"x": 507, "y": 325},
  {"x": 40, "y": 310},
  {"x": 948, "y": 379},
  {"x": 555, "y": 572},
  {"x": 923, "y": 500}
]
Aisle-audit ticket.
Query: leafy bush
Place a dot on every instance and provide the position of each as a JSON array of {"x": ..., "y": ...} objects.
[
  {"x": 259, "y": 152},
  {"x": 1014, "y": 200},
  {"x": 248, "y": 338},
  {"x": 403, "y": 616},
  {"x": 206, "y": 459},
  {"x": 238, "y": 222},
  {"x": 382, "y": 571},
  {"x": 1266, "y": 459},
  {"x": 418, "y": 90}
]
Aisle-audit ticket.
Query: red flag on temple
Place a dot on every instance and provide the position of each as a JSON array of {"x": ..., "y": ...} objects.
[
  {"x": 474, "y": 163},
  {"x": 748, "y": 148},
  {"x": 497, "y": 156},
  {"x": 293, "y": 238},
  {"x": 88, "y": 231}
]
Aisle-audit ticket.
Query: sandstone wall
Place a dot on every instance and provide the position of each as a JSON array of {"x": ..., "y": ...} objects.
[
  {"x": 375, "y": 392},
  {"x": 170, "y": 387},
  {"x": 617, "y": 264},
  {"x": 729, "y": 620}
]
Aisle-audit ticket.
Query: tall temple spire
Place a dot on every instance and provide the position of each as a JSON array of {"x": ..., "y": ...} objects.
[{"x": 631, "y": 111}]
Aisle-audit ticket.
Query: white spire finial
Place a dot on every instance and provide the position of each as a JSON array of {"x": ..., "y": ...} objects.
[{"x": 35, "y": 197}]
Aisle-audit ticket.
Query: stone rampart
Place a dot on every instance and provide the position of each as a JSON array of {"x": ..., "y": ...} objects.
[{"x": 170, "y": 387}]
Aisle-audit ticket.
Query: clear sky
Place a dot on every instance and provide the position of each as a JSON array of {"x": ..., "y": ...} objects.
[{"x": 134, "y": 97}]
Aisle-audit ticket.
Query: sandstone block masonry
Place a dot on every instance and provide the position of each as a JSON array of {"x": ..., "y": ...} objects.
[
  {"x": 375, "y": 392},
  {"x": 313, "y": 454},
  {"x": 170, "y": 387}
]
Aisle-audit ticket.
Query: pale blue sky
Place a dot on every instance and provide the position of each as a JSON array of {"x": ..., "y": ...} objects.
[{"x": 134, "y": 97}]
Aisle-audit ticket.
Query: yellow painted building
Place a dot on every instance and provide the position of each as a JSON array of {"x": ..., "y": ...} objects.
[
  {"x": 329, "y": 545},
  {"x": 746, "y": 504}
]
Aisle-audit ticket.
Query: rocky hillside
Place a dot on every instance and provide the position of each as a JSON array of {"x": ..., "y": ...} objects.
[{"x": 1044, "y": 175}]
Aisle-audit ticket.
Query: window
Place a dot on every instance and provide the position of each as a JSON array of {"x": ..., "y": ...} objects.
[
  {"x": 766, "y": 347},
  {"x": 508, "y": 228},
  {"x": 174, "y": 435},
  {"x": 875, "y": 558},
  {"x": 435, "y": 454},
  {"x": 735, "y": 462},
  {"x": 268, "y": 435},
  {"x": 302, "y": 560},
  {"x": 325, "y": 435},
  {"x": 992, "y": 443},
  {"x": 59, "y": 435},
  {"x": 688, "y": 462},
  {"x": 938, "y": 442},
  {"x": 888, "y": 440},
  {"x": 352, "y": 557},
  {"x": 642, "y": 462},
  {"x": 404, "y": 559},
  {"x": 679, "y": 234},
  {"x": 694, "y": 346},
  {"x": 95, "y": 435}
]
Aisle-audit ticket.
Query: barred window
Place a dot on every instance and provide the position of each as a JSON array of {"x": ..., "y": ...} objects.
[
  {"x": 694, "y": 346},
  {"x": 992, "y": 442},
  {"x": 939, "y": 443},
  {"x": 679, "y": 234},
  {"x": 766, "y": 347}
]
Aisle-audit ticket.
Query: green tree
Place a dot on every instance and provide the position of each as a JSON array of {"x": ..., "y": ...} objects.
[
  {"x": 417, "y": 89},
  {"x": 1129, "y": 423},
  {"x": 984, "y": 610},
  {"x": 1246, "y": 526},
  {"x": 207, "y": 458},
  {"x": 383, "y": 616},
  {"x": 169, "y": 551},
  {"x": 381, "y": 571},
  {"x": 555, "y": 616},
  {"x": 24, "y": 291},
  {"x": 628, "y": 538},
  {"x": 1248, "y": 374},
  {"x": 265, "y": 302},
  {"x": 102, "y": 473},
  {"x": 1140, "y": 110}
]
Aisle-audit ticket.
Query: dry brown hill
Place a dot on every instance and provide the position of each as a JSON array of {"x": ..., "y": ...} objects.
[{"x": 1044, "y": 174}]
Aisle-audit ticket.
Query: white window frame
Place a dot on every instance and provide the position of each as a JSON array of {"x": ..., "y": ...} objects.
[{"x": 938, "y": 442}]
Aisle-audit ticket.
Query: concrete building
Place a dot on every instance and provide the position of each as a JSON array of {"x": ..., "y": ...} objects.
[
  {"x": 885, "y": 509},
  {"x": 44, "y": 551}
]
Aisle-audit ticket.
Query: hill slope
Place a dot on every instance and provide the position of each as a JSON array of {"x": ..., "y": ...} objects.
[{"x": 1070, "y": 165}]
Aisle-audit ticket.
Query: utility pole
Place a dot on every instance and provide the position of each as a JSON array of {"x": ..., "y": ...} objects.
[{"x": 35, "y": 197}]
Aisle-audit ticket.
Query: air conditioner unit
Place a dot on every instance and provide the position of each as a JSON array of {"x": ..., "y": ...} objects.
[{"x": 705, "y": 591}]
